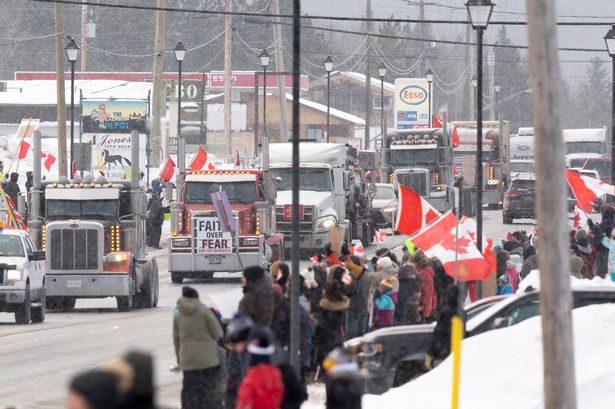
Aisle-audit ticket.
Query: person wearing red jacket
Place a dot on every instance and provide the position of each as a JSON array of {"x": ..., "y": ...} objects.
[
  {"x": 428, "y": 300},
  {"x": 262, "y": 387}
]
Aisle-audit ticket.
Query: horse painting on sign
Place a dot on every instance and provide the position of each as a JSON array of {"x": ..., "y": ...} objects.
[{"x": 114, "y": 160}]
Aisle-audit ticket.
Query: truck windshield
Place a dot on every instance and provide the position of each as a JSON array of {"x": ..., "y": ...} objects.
[
  {"x": 10, "y": 246},
  {"x": 523, "y": 167},
  {"x": 318, "y": 180},
  {"x": 237, "y": 192},
  {"x": 585, "y": 147},
  {"x": 82, "y": 209},
  {"x": 413, "y": 157}
]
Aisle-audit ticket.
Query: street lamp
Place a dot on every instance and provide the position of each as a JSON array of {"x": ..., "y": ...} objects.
[
  {"x": 328, "y": 69},
  {"x": 264, "y": 57},
  {"x": 429, "y": 78},
  {"x": 180, "y": 54},
  {"x": 480, "y": 13},
  {"x": 382, "y": 72},
  {"x": 497, "y": 89},
  {"x": 72, "y": 53},
  {"x": 609, "y": 39}
]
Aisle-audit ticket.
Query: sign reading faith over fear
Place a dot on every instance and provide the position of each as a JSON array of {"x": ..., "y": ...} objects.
[
  {"x": 210, "y": 238},
  {"x": 412, "y": 101}
]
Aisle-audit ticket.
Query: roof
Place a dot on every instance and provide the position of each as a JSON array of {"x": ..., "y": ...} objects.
[
  {"x": 333, "y": 112},
  {"x": 358, "y": 77}
]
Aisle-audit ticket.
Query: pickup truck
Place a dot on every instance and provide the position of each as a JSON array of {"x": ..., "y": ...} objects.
[
  {"x": 393, "y": 356},
  {"x": 22, "y": 277}
]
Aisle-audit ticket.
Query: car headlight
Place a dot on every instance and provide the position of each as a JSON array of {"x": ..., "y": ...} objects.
[
  {"x": 326, "y": 223},
  {"x": 116, "y": 257},
  {"x": 12, "y": 276},
  {"x": 389, "y": 209},
  {"x": 438, "y": 188},
  {"x": 183, "y": 242}
]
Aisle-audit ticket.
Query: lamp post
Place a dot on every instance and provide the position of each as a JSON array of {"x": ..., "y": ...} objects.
[
  {"x": 72, "y": 53},
  {"x": 180, "y": 54},
  {"x": 610, "y": 46},
  {"x": 480, "y": 13},
  {"x": 497, "y": 89},
  {"x": 382, "y": 72},
  {"x": 264, "y": 57},
  {"x": 429, "y": 78},
  {"x": 328, "y": 69}
]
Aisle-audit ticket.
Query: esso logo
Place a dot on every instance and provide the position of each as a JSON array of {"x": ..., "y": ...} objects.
[{"x": 413, "y": 95}]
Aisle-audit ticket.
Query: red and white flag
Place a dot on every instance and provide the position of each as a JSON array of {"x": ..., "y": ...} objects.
[
  {"x": 24, "y": 147},
  {"x": 49, "y": 160},
  {"x": 586, "y": 189},
  {"x": 580, "y": 218},
  {"x": 433, "y": 233},
  {"x": 168, "y": 170},
  {"x": 471, "y": 264},
  {"x": 358, "y": 250},
  {"x": 237, "y": 161},
  {"x": 200, "y": 160},
  {"x": 379, "y": 236},
  {"x": 413, "y": 212}
]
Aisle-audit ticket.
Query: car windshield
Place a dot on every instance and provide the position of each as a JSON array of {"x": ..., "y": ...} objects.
[
  {"x": 384, "y": 192},
  {"x": 413, "y": 157},
  {"x": 10, "y": 246},
  {"x": 523, "y": 167},
  {"x": 237, "y": 192},
  {"x": 523, "y": 184},
  {"x": 314, "y": 179},
  {"x": 602, "y": 166},
  {"x": 82, "y": 209},
  {"x": 585, "y": 147}
]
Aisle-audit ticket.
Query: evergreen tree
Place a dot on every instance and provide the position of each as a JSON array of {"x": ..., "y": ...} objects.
[{"x": 594, "y": 96}]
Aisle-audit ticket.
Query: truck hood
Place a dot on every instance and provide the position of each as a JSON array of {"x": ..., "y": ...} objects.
[
  {"x": 18, "y": 262},
  {"x": 238, "y": 207},
  {"x": 320, "y": 200}
]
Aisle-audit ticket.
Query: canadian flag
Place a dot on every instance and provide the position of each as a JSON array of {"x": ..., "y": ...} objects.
[
  {"x": 437, "y": 123},
  {"x": 471, "y": 263},
  {"x": 379, "y": 236},
  {"x": 432, "y": 234},
  {"x": 586, "y": 189},
  {"x": 358, "y": 250},
  {"x": 580, "y": 218},
  {"x": 49, "y": 160},
  {"x": 200, "y": 160},
  {"x": 469, "y": 226},
  {"x": 414, "y": 212},
  {"x": 168, "y": 170},
  {"x": 455, "y": 138},
  {"x": 24, "y": 147}
]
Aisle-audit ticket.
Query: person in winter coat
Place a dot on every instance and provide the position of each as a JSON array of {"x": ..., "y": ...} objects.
[
  {"x": 584, "y": 249},
  {"x": 441, "y": 280},
  {"x": 134, "y": 374},
  {"x": 94, "y": 389},
  {"x": 577, "y": 267},
  {"x": 12, "y": 188},
  {"x": 504, "y": 286},
  {"x": 257, "y": 302},
  {"x": 384, "y": 305},
  {"x": 280, "y": 281},
  {"x": 501, "y": 259},
  {"x": 196, "y": 332},
  {"x": 29, "y": 181},
  {"x": 262, "y": 387},
  {"x": 608, "y": 243},
  {"x": 601, "y": 264},
  {"x": 238, "y": 332},
  {"x": 357, "y": 316},
  {"x": 155, "y": 219},
  {"x": 331, "y": 316},
  {"x": 385, "y": 269},
  {"x": 294, "y": 390},
  {"x": 428, "y": 300},
  {"x": 440, "y": 346},
  {"x": 280, "y": 321},
  {"x": 530, "y": 262},
  {"x": 408, "y": 295}
]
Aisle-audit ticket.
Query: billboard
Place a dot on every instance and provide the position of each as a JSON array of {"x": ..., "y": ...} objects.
[
  {"x": 111, "y": 154},
  {"x": 113, "y": 116},
  {"x": 412, "y": 102}
]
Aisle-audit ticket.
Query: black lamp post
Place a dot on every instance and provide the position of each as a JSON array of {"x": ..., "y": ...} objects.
[
  {"x": 429, "y": 78},
  {"x": 72, "y": 53},
  {"x": 180, "y": 54},
  {"x": 264, "y": 57},
  {"x": 610, "y": 45},
  {"x": 328, "y": 69},
  {"x": 480, "y": 13},
  {"x": 382, "y": 72}
]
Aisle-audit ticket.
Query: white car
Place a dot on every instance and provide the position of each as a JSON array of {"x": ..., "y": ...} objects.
[
  {"x": 22, "y": 277},
  {"x": 384, "y": 205}
]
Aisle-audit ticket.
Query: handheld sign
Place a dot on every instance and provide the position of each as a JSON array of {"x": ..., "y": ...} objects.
[{"x": 224, "y": 211}]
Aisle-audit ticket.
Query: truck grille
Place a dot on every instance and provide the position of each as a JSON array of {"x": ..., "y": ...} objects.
[
  {"x": 415, "y": 181},
  {"x": 74, "y": 249},
  {"x": 285, "y": 226},
  {"x": 2, "y": 276}
]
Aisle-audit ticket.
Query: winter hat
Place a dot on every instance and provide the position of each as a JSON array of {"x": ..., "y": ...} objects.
[
  {"x": 239, "y": 328},
  {"x": 387, "y": 283},
  {"x": 355, "y": 266},
  {"x": 261, "y": 346},
  {"x": 190, "y": 292},
  {"x": 406, "y": 271},
  {"x": 253, "y": 273},
  {"x": 308, "y": 275},
  {"x": 385, "y": 262},
  {"x": 581, "y": 238},
  {"x": 97, "y": 387}
]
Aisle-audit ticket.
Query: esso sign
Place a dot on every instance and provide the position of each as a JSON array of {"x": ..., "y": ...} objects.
[{"x": 413, "y": 95}]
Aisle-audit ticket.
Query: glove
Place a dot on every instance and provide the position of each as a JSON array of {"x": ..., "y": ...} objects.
[{"x": 428, "y": 362}]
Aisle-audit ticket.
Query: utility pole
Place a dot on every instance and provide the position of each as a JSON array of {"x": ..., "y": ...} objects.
[
  {"x": 61, "y": 97},
  {"x": 553, "y": 255},
  {"x": 158, "y": 91},
  {"x": 467, "y": 88},
  {"x": 228, "y": 38},
  {"x": 84, "y": 37},
  {"x": 368, "y": 80},
  {"x": 492, "y": 97},
  {"x": 279, "y": 66}
]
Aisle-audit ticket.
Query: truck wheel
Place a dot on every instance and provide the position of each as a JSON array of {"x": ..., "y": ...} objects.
[
  {"x": 124, "y": 303},
  {"x": 23, "y": 313},
  {"x": 149, "y": 297},
  {"x": 507, "y": 219},
  {"x": 68, "y": 304},
  {"x": 38, "y": 312},
  {"x": 177, "y": 278}
]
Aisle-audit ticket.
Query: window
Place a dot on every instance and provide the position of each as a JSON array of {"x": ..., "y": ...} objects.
[
  {"x": 522, "y": 312},
  {"x": 585, "y": 147},
  {"x": 82, "y": 209},
  {"x": 237, "y": 192},
  {"x": 384, "y": 192},
  {"x": 315, "y": 179},
  {"x": 11, "y": 246},
  {"x": 520, "y": 184},
  {"x": 522, "y": 167}
]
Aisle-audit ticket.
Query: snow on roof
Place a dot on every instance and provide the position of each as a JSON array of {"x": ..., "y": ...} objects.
[
  {"x": 43, "y": 92},
  {"x": 332, "y": 111},
  {"x": 357, "y": 76}
]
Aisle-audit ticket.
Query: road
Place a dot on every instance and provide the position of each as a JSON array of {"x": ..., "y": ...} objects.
[{"x": 38, "y": 360}]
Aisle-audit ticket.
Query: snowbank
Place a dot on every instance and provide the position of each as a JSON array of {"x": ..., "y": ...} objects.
[
  {"x": 503, "y": 368},
  {"x": 533, "y": 280}
]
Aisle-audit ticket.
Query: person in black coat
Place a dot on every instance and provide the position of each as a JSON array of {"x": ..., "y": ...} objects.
[
  {"x": 441, "y": 342},
  {"x": 408, "y": 295},
  {"x": 607, "y": 224},
  {"x": 12, "y": 188},
  {"x": 155, "y": 220},
  {"x": 441, "y": 281},
  {"x": 295, "y": 392}
]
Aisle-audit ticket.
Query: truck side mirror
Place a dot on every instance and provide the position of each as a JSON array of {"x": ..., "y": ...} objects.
[
  {"x": 37, "y": 255},
  {"x": 346, "y": 181}
]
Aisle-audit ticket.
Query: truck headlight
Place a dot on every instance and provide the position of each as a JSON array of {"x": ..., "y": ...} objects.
[
  {"x": 249, "y": 242},
  {"x": 326, "y": 223},
  {"x": 116, "y": 258},
  {"x": 12, "y": 276},
  {"x": 183, "y": 242},
  {"x": 493, "y": 182},
  {"x": 389, "y": 209}
]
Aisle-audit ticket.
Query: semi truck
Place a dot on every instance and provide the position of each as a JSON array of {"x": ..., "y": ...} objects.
[
  {"x": 199, "y": 247},
  {"x": 332, "y": 194},
  {"x": 93, "y": 235},
  {"x": 421, "y": 159},
  {"x": 583, "y": 144}
]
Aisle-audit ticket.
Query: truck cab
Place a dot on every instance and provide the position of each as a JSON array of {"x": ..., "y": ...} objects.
[{"x": 199, "y": 247}]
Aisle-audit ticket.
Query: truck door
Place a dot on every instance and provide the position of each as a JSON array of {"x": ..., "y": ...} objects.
[{"x": 36, "y": 269}]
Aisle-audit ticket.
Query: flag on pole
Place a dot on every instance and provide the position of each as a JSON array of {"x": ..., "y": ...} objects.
[
  {"x": 586, "y": 189},
  {"x": 379, "y": 236},
  {"x": 15, "y": 220},
  {"x": 24, "y": 147},
  {"x": 580, "y": 218},
  {"x": 358, "y": 250},
  {"x": 413, "y": 212},
  {"x": 433, "y": 233},
  {"x": 199, "y": 159},
  {"x": 49, "y": 160},
  {"x": 168, "y": 170}
]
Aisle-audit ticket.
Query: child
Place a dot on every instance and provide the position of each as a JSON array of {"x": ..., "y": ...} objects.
[
  {"x": 384, "y": 306},
  {"x": 504, "y": 286}
]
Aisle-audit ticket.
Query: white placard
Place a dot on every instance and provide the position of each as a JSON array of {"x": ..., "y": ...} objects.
[{"x": 210, "y": 239}]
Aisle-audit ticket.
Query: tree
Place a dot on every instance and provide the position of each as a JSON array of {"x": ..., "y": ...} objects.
[{"x": 594, "y": 96}]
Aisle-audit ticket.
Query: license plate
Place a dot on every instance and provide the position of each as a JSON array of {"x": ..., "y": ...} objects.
[
  {"x": 215, "y": 259},
  {"x": 73, "y": 283}
]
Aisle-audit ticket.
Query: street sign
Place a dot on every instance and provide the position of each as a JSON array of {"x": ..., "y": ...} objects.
[
  {"x": 412, "y": 101},
  {"x": 192, "y": 90}
]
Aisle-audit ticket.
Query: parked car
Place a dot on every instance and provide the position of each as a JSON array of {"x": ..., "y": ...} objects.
[
  {"x": 395, "y": 355},
  {"x": 384, "y": 205},
  {"x": 22, "y": 277},
  {"x": 602, "y": 166},
  {"x": 520, "y": 199}
]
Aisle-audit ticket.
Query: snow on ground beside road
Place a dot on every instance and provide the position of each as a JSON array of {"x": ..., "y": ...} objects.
[
  {"x": 504, "y": 367},
  {"x": 533, "y": 280}
]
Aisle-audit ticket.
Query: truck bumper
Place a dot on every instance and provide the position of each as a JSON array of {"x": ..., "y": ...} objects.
[
  {"x": 87, "y": 286},
  {"x": 11, "y": 297},
  {"x": 308, "y": 240},
  {"x": 195, "y": 265}
]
